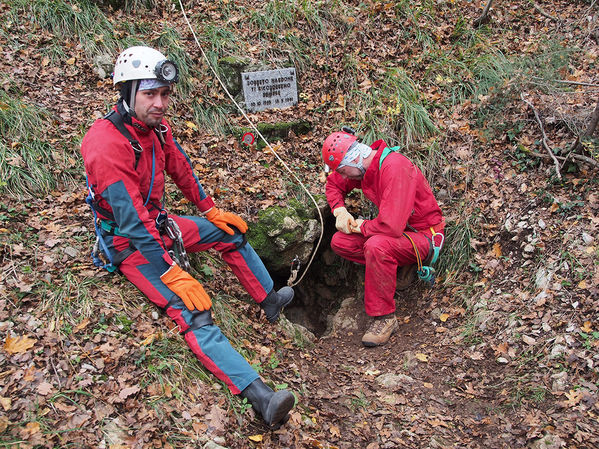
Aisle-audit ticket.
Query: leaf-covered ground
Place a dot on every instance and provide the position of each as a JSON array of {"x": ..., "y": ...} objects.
[{"x": 500, "y": 353}]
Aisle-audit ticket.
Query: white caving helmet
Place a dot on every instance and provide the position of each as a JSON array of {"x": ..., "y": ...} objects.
[
  {"x": 141, "y": 63},
  {"x": 137, "y": 63}
]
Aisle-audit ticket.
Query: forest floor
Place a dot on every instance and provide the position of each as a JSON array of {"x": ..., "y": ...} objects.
[{"x": 502, "y": 353}]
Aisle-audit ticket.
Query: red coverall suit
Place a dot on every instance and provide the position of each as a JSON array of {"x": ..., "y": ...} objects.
[
  {"x": 131, "y": 198},
  {"x": 405, "y": 203}
]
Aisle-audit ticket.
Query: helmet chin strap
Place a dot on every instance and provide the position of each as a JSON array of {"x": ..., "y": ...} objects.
[{"x": 130, "y": 105}]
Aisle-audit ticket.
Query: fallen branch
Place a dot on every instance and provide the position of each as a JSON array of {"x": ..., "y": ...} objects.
[
  {"x": 578, "y": 157},
  {"x": 575, "y": 83},
  {"x": 544, "y": 14},
  {"x": 545, "y": 145}
]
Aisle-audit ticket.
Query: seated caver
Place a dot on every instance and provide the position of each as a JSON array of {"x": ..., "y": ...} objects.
[{"x": 126, "y": 156}]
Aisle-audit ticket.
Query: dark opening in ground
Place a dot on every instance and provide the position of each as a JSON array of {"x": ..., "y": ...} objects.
[{"x": 328, "y": 280}]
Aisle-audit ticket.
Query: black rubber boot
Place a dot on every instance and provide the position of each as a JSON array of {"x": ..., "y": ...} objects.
[
  {"x": 275, "y": 301},
  {"x": 272, "y": 406}
]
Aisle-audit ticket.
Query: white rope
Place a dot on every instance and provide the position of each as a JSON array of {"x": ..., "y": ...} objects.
[{"x": 291, "y": 280}]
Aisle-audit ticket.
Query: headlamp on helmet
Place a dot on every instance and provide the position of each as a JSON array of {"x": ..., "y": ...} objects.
[{"x": 167, "y": 71}]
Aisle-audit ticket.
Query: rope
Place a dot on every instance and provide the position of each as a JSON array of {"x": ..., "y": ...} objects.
[{"x": 291, "y": 281}]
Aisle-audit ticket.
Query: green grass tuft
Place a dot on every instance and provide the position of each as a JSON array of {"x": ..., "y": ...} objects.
[
  {"x": 393, "y": 110},
  {"x": 82, "y": 21}
]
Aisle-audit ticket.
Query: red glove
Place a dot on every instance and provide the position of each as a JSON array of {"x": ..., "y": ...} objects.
[
  {"x": 187, "y": 288},
  {"x": 222, "y": 220}
]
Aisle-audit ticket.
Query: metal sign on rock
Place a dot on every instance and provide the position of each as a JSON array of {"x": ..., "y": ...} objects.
[{"x": 269, "y": 89}]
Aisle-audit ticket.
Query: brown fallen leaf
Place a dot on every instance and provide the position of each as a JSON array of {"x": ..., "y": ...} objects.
[
  {"x": 6, "y": 403},
  {"x": 18, "y": 345},
  {"x": 126, "y": 392},
  {"x": 44, "y": 388},
  {"x": 422, "y": 357}
]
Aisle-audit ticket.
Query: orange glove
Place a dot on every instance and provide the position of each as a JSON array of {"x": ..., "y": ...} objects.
[
  {"x": 187, "y": 288},
  {"x": 222, "y": 220}
]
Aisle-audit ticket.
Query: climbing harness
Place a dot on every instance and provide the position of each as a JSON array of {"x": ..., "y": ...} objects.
[
  {"x": 116, "y": 119},
  {"x": 166, "y": 225},
  {"x": 291, "y": 282}
]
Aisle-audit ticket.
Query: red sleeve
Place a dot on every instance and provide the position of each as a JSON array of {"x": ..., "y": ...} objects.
[
  {"x": 337, "y": 188},
  {"x": 179, "y": 168}
]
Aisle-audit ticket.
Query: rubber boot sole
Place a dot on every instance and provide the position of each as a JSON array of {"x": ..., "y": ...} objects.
[{"x": 278, "y": 408}]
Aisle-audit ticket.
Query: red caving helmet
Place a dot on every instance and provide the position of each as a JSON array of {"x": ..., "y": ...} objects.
[{"x": 335, "y": 147}]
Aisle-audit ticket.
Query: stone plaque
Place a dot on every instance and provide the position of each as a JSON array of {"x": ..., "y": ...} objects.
[{"x": 269, "y": 89}]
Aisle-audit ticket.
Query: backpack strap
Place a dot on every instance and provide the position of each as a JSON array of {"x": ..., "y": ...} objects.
[
  {"x": 386, "y": 152},
  {"x": 117, "y": 120}
]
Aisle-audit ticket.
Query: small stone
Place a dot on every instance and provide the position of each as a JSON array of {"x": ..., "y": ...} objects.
[
  {"x": 155, "y": 315},
  {"x": 214, "y": 444},
  {"x": 557, "y": 351},
  {"x": 393, "y": 381},
  {"x": 502, "y": 360},
  {"x": 587, "y": 239},
  {"x": 70, "y": 251},
  {"x": 542, "y": 223}
]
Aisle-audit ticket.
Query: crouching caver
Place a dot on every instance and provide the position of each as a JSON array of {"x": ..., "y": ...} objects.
[
  {"x": 126, "y": 155},
  {"x": 407, "y": 230}
]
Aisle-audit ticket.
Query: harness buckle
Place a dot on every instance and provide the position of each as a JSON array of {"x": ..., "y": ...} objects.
[{"x": 428, "y": 275}]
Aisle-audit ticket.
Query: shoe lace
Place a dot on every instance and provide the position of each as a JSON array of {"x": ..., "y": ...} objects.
[{"x": 378, "y": 326}]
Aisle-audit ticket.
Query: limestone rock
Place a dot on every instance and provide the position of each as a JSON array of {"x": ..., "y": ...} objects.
[{"x": 283, "y": 233}]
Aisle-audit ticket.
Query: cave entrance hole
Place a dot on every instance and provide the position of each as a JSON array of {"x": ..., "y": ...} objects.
[{"x": 328, "y": 281}]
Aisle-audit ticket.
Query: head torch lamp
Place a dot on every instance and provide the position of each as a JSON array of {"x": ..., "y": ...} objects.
[{"x": 167, "y": 71}]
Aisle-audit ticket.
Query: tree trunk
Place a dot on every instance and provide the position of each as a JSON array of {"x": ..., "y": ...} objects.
[
  {"x": 484, "y": 18},
  {"x": 590, "y": 129}
]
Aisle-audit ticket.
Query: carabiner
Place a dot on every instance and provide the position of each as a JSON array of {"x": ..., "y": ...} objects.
[{"x": 296, "y": 263}]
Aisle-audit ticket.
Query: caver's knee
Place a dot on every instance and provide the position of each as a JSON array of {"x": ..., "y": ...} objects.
[
  {"x": 341, "y": 242},
  {"x": 190, "y": 320},
  {"x": 377, "y": 246}
]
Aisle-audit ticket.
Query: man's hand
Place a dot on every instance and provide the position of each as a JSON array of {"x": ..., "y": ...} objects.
[
  {"x": 345, "y": 221},
  {"x": 187, "y": 288},
  {"x": 356, "y": 228},
  {"x": 222, "y": 220}
]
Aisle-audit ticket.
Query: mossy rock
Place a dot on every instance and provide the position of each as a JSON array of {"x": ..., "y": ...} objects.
[
  {"x": 230, "y": 69},
  {"x": 283, "y": 233}
]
